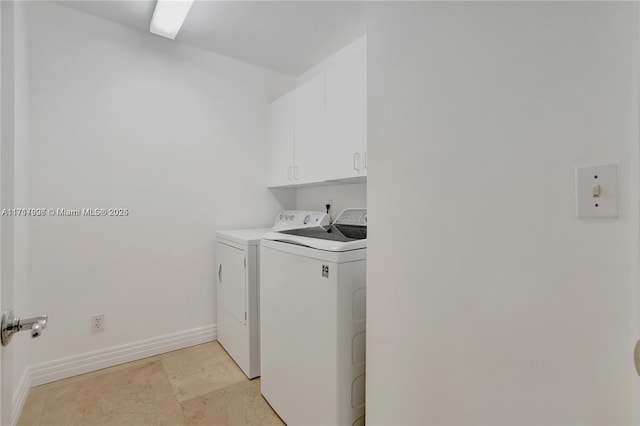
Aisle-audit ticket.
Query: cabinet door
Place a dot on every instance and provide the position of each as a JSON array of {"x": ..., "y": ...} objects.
[
  {"x": 232, "y": 282},
  {"x": 345, "y": 116},
  {"x": 280, "y": 140},
  {"x": 311, "y": 153},
  {"x": 365, "y": 85}
]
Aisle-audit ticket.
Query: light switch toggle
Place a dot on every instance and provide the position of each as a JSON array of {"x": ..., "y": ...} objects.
[{"x": 597, "y": 191}]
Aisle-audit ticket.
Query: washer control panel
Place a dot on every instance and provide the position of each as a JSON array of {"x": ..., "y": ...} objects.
[
  {"x": 357, "y": 217},
  {"x": 300, "y": 219}
]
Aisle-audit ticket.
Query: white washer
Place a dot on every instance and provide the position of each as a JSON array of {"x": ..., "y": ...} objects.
[
  {"x": 238, "y": 286},
  {"x": 313, "y": 321}
]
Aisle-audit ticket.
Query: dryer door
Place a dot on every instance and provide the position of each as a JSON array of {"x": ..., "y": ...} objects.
[{"x": 232, "y": 281}]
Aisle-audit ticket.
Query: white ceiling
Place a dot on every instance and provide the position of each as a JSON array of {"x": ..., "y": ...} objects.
[{"x": 285, "y": 36}]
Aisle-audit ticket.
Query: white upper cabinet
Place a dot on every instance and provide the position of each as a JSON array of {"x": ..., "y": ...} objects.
[
  {"x": 345, "y": 117},
  {"x": 310, "y": 143},
  {"x": 317, "y": 132},
  {"x": 281, "y": 141},
  {"x": 364, "y": 103}
]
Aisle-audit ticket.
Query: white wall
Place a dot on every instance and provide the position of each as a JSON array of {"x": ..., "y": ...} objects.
[
  {"x": 341, "y": 196},
  {"x": 353, "y": 48},
  {"x": 488, "y": 301},
  {"x": 122, "y": 118}
]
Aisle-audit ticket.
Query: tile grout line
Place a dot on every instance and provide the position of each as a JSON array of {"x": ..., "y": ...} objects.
[
  {"x": 203, "y": 366},
  {"x": 175, "y": 397}
]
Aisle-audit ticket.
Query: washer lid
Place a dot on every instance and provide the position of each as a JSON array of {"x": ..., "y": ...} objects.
[
  {"x": 349, "y": 232},
  {"x": 338, "y": 233},
  {"x": 328, "y": 243},
  {"x": 289, "y": 248}
]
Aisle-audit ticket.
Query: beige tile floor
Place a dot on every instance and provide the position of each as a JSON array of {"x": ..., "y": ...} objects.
[{"x": 200, "y": 385}]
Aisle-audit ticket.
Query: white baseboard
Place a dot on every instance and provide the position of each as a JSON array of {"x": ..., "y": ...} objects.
[
  {"x": 51, "y": 371},
  {"x": 91, "y": 361},
  {"x": 20, "y": 396}
]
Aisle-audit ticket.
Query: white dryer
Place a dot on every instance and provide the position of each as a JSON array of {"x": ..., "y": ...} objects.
[
  {"x": 238, "y": 286},
  {"x": 313, "y": 317}
]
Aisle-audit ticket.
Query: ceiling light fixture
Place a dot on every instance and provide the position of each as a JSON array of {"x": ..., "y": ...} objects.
[{"x": 169, "y": 16}]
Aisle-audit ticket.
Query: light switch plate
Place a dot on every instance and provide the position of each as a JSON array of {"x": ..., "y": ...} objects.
[{"x": 592, "y": 180}]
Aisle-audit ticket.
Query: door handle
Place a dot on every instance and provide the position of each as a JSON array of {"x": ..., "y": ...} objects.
[
  {"x": 636, "y": 357},
  {"x": 220, "y": 273},
  {"x": 11, "y": 325}
]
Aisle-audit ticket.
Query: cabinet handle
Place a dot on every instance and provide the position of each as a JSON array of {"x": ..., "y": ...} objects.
[
  {"x": 220, "y": 273},
  {"x": 295, "y": 172},
  {"x": 365, "y": 160},
  {"x": 356, "y": 161},
  {"x": 289, "y": 173}
]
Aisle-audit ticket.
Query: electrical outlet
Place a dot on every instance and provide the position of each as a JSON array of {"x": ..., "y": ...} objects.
[{"x": 97, "y": 322}]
